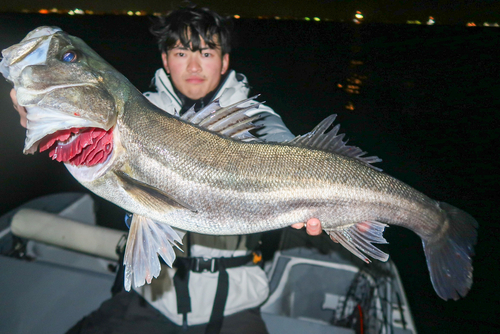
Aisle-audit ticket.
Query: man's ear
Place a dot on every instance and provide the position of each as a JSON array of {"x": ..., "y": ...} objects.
[
  {"x": 225, "y": 63},
  {"x": 165, "y": 61}
]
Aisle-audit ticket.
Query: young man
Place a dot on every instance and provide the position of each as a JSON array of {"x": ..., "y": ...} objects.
[
  {"x": 195, "y": 46},
  {"x": 215, "y": 286}
]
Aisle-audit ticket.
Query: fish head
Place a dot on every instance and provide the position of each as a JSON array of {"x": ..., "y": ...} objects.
[{"x": 72, "y": 96}]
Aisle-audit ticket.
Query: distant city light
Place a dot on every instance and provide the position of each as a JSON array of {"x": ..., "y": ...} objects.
[{"x": 357, "y": 18}]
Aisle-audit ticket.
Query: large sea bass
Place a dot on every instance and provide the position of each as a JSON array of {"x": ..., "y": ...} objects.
[{"x": 203, "y": 172}]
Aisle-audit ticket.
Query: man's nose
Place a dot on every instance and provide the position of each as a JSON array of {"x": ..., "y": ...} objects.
[{"x": 194, "y": 65}]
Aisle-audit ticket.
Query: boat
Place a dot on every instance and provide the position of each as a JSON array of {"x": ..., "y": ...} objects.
[{"x": 58, "y": 265}]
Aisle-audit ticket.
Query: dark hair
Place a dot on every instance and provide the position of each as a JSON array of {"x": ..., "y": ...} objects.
[{"x": 188, "y": 24}]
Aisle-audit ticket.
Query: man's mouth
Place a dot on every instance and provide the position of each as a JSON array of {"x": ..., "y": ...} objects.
[
  {"x": 79, "y": 146},
  {"x": 195, "y": 80}
]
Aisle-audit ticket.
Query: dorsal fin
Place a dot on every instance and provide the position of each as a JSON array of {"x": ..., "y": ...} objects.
[
  {"x": 332, "y": 142},
  {"x": 230, "y": 121}
]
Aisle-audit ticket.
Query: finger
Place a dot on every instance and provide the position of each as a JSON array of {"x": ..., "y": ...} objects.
[
  {"x": 313, "y": 227},
  {"x": 20, "y": 109},
  {"x": 298, "y": 225},
  {"x": 23, "y": 115},
  {"x": 13, "y": 96}
]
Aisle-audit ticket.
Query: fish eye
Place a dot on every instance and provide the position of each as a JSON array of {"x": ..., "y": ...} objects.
[{"x": 69, "y": 57}]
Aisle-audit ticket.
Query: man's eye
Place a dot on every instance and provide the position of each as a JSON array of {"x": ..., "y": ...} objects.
[
  {"x": 69, "y": 57},
  {"x": 206, "y": 54}
]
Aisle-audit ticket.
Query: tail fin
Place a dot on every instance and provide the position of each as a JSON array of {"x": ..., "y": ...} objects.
[{"x": 449, "y": 256}]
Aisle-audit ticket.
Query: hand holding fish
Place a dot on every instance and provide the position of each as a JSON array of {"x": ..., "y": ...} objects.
[
  {"x": 20, "y": 109},
  {"x": 313, "y": 226}
]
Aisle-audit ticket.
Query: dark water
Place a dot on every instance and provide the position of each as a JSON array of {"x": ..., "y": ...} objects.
[{"x": 425, "y": 99}]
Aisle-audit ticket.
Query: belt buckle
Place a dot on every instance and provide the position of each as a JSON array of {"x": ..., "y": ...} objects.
[{"x": 204, "y": 266}]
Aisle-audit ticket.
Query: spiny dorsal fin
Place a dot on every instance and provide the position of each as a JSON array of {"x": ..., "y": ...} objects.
[
  {"x": 358, "y": 239},
  {"x": 332, "y": 142},
  {"x": 230, "y": 121}
]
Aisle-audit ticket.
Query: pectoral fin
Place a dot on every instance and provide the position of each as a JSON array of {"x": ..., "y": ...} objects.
[
  {"x": 149, "y": 196},
  {"x": 146, "y": 240},
  {"x": 358, "y": 239}
]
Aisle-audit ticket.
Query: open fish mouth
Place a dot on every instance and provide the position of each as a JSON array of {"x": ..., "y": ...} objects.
[
  {"x": 45, "y": 124},
  {"x": 79, "y": 146}
]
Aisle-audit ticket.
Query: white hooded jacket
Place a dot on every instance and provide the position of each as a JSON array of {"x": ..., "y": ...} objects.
[{"x": 248, "y": 285}]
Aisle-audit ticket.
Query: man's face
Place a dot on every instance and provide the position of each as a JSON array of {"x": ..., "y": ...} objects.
[{"x": 195, "y": 74}]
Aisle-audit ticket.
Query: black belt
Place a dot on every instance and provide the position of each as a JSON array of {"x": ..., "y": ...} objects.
[{"x": 196, "y": 264}]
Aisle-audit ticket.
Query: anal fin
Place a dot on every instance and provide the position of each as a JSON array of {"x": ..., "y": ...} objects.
[
  {"x": 358, "y": 239},
  {"x": 146, "y": 240}
]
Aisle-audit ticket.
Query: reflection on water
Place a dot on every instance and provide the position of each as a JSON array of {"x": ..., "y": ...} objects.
[
  {"x": 355, "y": 75},
  {"x": 353, "y": 83}
]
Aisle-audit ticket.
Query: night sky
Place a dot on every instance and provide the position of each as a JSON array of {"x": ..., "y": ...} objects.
[{"x": 444, "y": 11}]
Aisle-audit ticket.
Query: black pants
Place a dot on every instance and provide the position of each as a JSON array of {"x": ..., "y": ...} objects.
[{"x": 129, "y": 313}]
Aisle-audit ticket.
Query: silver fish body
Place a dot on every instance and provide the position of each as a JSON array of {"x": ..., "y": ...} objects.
[
  {"x": 238, "y": 187},
  {"x": 205, "y": 174}
]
